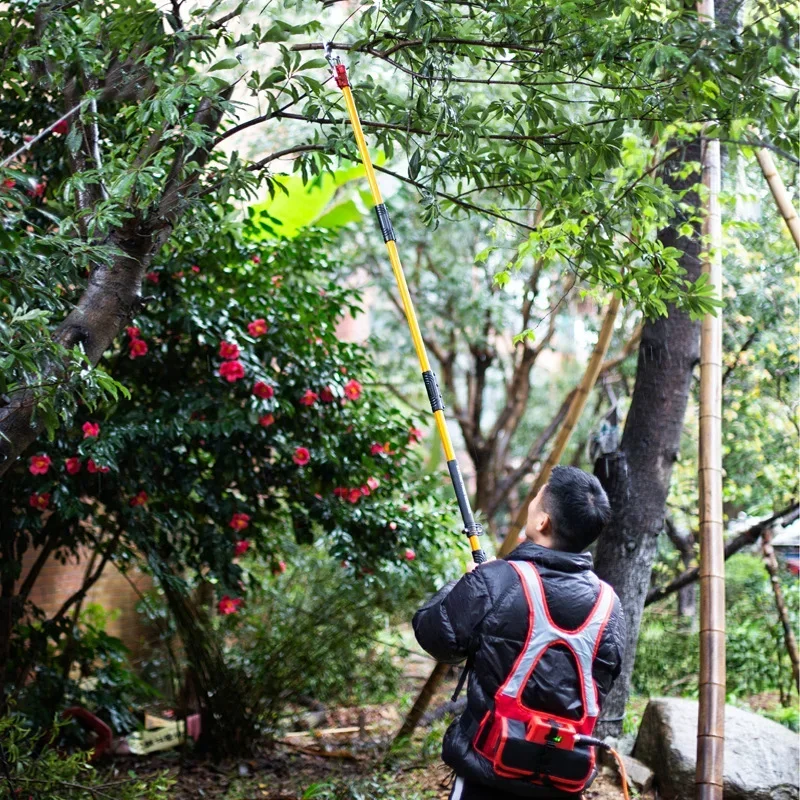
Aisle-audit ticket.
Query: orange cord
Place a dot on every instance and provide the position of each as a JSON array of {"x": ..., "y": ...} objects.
[{"x": 622, "y": 772}]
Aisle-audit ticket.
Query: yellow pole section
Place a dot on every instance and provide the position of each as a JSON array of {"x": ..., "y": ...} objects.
[
  {"x": 471, "y": 528},
  {"x": 397, "y": 269}
]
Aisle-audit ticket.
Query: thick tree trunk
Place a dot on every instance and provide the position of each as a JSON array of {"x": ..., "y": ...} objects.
[
  {"x": 637, "y": 476},
  {"x": 110, "y": 300},
  {"x": 112, "y": 296}
]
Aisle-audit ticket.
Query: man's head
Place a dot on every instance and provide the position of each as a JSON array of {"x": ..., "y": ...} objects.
[{"x": 569, "y": 512}]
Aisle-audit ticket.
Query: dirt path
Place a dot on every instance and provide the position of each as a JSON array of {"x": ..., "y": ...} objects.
[{"x": 349, "y": 765}]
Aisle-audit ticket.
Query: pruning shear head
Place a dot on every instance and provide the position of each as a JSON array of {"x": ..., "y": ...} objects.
[{"x": 329, "y": 56}]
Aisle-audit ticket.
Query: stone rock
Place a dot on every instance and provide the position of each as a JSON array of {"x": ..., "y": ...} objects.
[
  {"x": 640, "y": 776},
  {"x": 761, "y": 756}
]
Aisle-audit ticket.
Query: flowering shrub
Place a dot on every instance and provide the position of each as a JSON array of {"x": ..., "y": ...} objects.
[{"x": 249, "y": 426}]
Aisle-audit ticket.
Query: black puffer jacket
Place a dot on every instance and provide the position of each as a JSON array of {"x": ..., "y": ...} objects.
[{"x": 485, "y": 615}]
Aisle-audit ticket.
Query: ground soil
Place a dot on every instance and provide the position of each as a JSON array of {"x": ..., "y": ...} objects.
[{"x": 350, "y": 766}]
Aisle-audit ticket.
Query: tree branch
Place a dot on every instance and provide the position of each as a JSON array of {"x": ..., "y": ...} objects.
[
  {"x": 742, "y": 540},
  {"x": 91, "y": 579}
]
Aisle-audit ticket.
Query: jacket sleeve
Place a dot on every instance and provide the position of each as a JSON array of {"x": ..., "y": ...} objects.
[
  {"x": 608, "y": 661},
  {"x": 445, "y": 625}
]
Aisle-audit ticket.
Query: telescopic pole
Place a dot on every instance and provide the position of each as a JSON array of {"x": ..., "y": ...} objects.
[{"x": 471, "y": 528}]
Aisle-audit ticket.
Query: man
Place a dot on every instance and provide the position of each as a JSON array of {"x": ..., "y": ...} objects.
[{"x": 544, "y": 639}]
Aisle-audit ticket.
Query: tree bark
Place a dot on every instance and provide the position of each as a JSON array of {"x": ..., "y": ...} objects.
[
  {"x": 422, "y": 702},
  {"x": 684, "y": 544},
  {"x": 637, "y": 476},
  {"x": 771, "y": 564}
]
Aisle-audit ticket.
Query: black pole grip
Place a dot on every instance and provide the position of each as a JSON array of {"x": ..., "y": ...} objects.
[
  {"x": 461, "y": 497},
  {"x": 478, "y": 556},
  {"x": 387, "y": 231},
  {"x": 434, "y": 395}
]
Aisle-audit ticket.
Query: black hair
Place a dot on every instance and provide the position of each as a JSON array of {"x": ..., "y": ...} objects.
[{"x": 578, "y": 508}]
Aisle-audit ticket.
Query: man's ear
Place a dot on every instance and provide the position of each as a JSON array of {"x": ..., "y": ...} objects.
[{"x": 543, "y": 524}]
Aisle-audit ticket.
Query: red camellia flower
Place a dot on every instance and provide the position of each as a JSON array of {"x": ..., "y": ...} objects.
[
  {"x": 195, "y": 269},
  {"x": 376, "y": 449},
  {"x": 137, "y": 348},
  {"x": 9, "y": 183},
  {"x": 178, "y": 274},
  {"x": 414, "y": 436},
  {"x": 239, "y": 521},
  {"x": 392, "y": 526},
  {"x": 365, "y": 490},
  {"x": 279, "y": 568},
  {"x": 153, "y": 277},
  {"x": 409, "y": 554},
  {"x": 301, "y": 456},
  {"x": 231, "y": 371},
  {"x": 229, "y": 605},
  {"x": 373, "y": 483},
  {"x": 352, "y": 389},
  {"x": 309, "y": 398},
  {"x": 37, "y": 190},
  {"x": 340, "y": 491},
  {"x": 263, "y": 390},
  {"x": 256, "y": 259},
  {"x": 326, "y": 395},
  {"x": 61, "y": 127},
  {"x": 40, "y": 501},
  {"x": 266, "y": 420},
  {"x": 93, "y": 468},
  {"x": 39, "y": 464},
  {"x": 138, "y": 500},
  {"x": 90, "y": 429},
  {"x": 241, "y": 547},
  {"x": 73, "y": 465},
  {"x": 229, "y": 351},
  {"x": 133, "y": 331},
  {"x": 354, "y": 495},
  {"x": 258, "y": 327}
]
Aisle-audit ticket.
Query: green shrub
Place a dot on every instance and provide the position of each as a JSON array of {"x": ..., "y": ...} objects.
[
  {"x": 319, "y": 631},
  {"x": 89, "y": 668},
  {"x": 33, "y": 768},
  {"x": 667, "y": 656}
]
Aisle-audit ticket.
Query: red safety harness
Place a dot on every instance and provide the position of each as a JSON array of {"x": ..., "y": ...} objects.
[{"x": 523, "y": 743}]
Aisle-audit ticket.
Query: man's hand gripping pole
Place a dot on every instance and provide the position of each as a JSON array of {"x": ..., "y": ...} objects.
[{"x": 471, "y": 528}]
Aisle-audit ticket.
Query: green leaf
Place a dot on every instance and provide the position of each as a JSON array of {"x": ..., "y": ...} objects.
[
  {"x": 226, "y": 63},
  {"x": 528, "y": 335}
]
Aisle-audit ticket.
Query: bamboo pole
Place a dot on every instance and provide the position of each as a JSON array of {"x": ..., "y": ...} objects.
[
  {"x": 582, "y": 393},
  {"x": 778, "y": 189},
  {"x": 771, "y": 563},
  {"x": 711, "y": 712}
]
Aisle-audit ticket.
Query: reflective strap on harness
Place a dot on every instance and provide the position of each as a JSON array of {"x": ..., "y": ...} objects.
[{"x": 543, "y": 633}]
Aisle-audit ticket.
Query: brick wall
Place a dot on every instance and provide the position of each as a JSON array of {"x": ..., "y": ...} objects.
[{"x": 57, "y": 582}]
